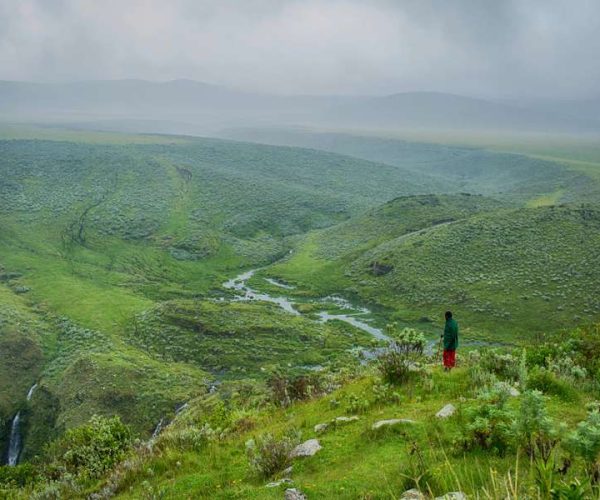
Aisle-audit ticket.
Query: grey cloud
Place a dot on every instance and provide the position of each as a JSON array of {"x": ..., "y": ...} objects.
[{"x": 479, "y": 47}]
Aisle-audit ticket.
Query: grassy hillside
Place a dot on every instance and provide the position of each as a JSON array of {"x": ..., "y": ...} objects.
[
  {"x": 332, "y": 249},
  {"x": 236, "y": 340},
  {"x": 496, "y": 442},
  {"x": 97, "y": 229},
  {"x": 499, "y": 166},
  {"x": 114, "y": 250},
  {"x": 505, "y": 271}
]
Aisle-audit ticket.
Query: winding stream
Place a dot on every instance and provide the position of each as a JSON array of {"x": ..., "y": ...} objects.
[{"x": 247, "y": 293}]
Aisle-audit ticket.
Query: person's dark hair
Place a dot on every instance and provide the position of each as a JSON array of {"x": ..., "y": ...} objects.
[{"x": 448, "y": 314}]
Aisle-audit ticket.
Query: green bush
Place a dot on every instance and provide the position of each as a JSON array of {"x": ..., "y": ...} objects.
[
  {"x": 90, "y": 450},
  {"x": 533, "y": 427},
  {"x": 542, "y": 379},
  {"x": 189, "y": 438},
  {"x": 385, "y": 393},
  {"x": 284, "y": 389},
  {"x": 502, "y": 364},
  {"x": 19, "y": 476},
  {"x": 489, "y": 422},
  {"x": 269, "y": 455},
  {"x": 401, "y": 359},
  {"x": 585, "y": 443}
]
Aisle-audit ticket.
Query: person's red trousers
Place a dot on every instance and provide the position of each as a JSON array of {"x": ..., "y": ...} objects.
[{"x": 449, "y": 358}]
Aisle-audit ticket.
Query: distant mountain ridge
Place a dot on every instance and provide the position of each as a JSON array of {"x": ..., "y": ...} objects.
[{"x": 188, "y": 104}]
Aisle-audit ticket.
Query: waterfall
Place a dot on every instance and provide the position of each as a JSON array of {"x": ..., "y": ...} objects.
[
  {"x": 14, "y": 445},
  {"x": 30, "y": 393},
  {"x": 157, "y": 429}
]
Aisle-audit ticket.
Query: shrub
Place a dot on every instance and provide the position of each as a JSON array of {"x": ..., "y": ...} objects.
[
  {"x": 585, "y": 344},
  {"x": 385, "y": 393},
  {"x": 357, "y": 404},
  {"x": 544, "y": 380},
  {"x": 564, "y": 367},
  {"x": 269, "y": 455},
  {"x": 407, "y": 340},
  {"x": 501, "y": 364},
  {"x": 90, "y": 450},
  {"x": 189, "y": 438},
  {"x": 585, "y": 443},
  {"x": 489, "y": 422},
  {"x": 19, "y": 476},
  {"x": 534, "y": 428},
  {"x": 397, "y": 363},
  {"x": 285, "y": 390}
]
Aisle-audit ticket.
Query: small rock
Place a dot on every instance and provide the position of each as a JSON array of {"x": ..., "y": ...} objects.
[
  {"x": 306, "y": 449},
  {"x": 345, "y": 420},
  {"x": 514, "y": 392},
  {"x": 446, "y": 411},
  {"x": 391, "y": 422},
  {"x": 294, "y": 494},
  {"x": 319, "y": 428},
  {"x": 287, "y": 472},
  {"x": 275, "y": 484},
  {"x": 413, "y": 494},
  {"x": 21, "y": 289},
  {"x": 453, "y": 495}
]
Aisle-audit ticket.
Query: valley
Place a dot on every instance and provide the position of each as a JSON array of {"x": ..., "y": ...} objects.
[{"x": 142, "y": 274}]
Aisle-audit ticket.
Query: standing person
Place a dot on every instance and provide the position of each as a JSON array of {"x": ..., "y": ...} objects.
[{"x": 450, "y": 337}]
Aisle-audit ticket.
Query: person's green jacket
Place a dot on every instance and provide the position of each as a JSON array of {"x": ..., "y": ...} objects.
[{"x": 451, "y": 335}]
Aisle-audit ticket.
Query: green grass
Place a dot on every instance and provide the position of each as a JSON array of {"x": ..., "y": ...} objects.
[
  {"x": 510, "y": 274},
  {"x": 242, "y": 340},
  {"x": 355, "y": 462},
  {"x": 104, "y": 227},
  {"x": 124, "y": 240}
]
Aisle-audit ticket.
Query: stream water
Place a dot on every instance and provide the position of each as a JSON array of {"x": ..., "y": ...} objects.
[{"x": 247, "y": 293}]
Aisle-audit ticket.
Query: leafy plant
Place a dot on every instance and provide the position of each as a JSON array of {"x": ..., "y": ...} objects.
[
  {"x": 189, "y": 438},
  {"x": 90, "y": 450},
  {"x": 401, "y": 358},
  {"x": 585, "y": 443},
  {"x": 544, "y": 380},
  {"x": 489, "y": 422},
  {"x": 502, "y": 364},
  {"x": 385, "y": 393},
  {"x": 18, "y": 476},
  {"x": 268, "y": 455},
  {"x": 534, "y": 428}
]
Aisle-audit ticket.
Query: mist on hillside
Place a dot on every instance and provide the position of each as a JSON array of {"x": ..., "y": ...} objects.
[{"x": 199, "y": 67}]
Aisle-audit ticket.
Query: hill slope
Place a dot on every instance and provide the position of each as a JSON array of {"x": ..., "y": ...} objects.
[
  {"x": 93, "y": 233},
  {"x": 472, "y": 169},
  {"x": 504, "y": 271}
]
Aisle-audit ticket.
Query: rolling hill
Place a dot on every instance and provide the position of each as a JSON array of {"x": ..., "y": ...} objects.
[
  {"x": 508, "y": 272},
  {"x": 96, "y": 231},
  {"x": 186, "y": 107},
  {"x": 114, "y": 250}
]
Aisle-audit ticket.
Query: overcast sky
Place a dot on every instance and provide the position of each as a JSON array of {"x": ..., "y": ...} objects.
[{"x": 499, "y": 48}]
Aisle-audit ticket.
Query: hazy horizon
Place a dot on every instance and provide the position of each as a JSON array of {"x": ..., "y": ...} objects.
[{"x": 499, "y": 50}]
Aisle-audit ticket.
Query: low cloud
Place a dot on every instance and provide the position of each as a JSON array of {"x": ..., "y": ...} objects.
[{"x": 501, "y": 48}]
